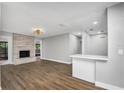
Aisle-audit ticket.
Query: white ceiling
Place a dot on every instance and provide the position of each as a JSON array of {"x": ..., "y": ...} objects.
[{"x": 54, "y": 18}]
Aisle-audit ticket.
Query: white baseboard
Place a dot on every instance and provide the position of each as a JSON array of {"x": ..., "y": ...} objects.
[
  {"x": 24, "y": 63},
  {"x": 6, "y": 62},
  {"x": 107, "y": 86},
  {"x": 60, "y": 61}
]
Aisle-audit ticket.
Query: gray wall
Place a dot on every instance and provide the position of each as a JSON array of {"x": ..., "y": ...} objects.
[
  {"x": 75, "y": 45},
  {"x": 97, "y": 45},
  {"x": 56, "y": 47},
  {"x": 112, "y": 72}
]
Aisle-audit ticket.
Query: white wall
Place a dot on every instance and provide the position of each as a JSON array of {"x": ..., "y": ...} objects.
[
  {"x": 56, "y": 48},
  {"x": 75, "y": 45},
  {"x": 112, "y": 72},
  {"x": 9, "y": 38}
]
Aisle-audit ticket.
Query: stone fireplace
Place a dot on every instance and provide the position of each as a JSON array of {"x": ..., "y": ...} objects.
[{"x": 24, "y": 45}]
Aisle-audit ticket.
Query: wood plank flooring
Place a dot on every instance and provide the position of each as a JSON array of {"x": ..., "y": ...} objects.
[{"x": 44, "y": 75}]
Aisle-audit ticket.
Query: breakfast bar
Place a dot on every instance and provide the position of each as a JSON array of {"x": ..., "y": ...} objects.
[{"x": 84, "y": 66}]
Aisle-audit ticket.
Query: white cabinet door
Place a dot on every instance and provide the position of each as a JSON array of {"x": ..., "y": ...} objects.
[{"x": 84, "y": 69}]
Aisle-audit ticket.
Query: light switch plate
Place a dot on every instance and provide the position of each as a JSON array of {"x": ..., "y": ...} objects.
[{"x": 120, "y": 51}]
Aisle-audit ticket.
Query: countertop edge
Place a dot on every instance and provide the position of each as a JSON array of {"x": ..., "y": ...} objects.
[{"x": 92, "y": 57}]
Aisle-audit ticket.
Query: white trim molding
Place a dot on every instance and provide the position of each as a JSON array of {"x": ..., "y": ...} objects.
[
  {"x": 59, "y": 61},
  {"x": 108, "y": 86},
  {"x": 5, "y": 62}
]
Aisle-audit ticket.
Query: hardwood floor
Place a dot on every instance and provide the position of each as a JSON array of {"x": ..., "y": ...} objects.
[{"x": 42, "y": 76}]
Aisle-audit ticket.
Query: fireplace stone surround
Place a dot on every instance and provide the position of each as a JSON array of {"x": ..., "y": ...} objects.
[{"x": 23, "y": 42}]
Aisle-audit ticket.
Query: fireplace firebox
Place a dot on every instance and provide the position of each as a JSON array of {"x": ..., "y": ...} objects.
[{"x": 24, "y": 53}]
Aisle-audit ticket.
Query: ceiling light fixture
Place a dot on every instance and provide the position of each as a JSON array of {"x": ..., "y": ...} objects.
[{"x": 38, "y": 31}]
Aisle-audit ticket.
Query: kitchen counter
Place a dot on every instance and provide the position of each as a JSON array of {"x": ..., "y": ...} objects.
[
  {"x": 92, "y": 57},
  {"x": 84, "y": 66}
]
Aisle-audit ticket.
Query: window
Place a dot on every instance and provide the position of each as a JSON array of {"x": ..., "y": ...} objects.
[
  {"x": 3, "y": 50},
  {"x": 37, "y": 50}
]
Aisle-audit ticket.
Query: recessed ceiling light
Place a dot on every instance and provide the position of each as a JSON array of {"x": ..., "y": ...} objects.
[
  {"x": 95, "y": 22},
  {"x": 99, "y": 32},
  {"x": 79, "y": 33}
]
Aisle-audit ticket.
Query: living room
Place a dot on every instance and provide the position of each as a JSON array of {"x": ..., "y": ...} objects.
[{"x": 61, "y": 45}]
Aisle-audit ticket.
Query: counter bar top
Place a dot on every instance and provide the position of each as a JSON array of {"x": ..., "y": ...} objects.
[{"x": 91, "y": 57}]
